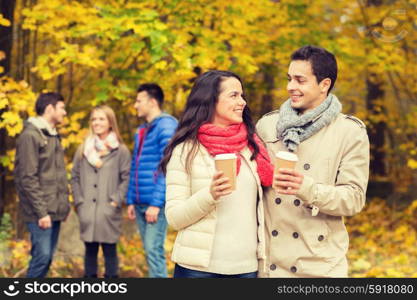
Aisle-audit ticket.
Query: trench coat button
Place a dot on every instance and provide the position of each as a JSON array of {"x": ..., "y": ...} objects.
[
  {"x": 94, "y": 200},
  {"x": 293, "y": 269},
  {"x": 274, "y": 233},
  {"x": 278, "y": 200},
  {"x": 295, "y": 235},
  {"x": 321, "y": 237},
  {"x": 95, "y": 171},
  {"x": 306, "y": 167},
  {"x": 95, "y": 185},
  {"x": 297, "y": 202},
  {"x": 272, "y": 267}
]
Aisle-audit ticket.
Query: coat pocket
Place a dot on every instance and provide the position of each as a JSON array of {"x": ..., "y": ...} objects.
[
  {"x": 113, "y": 213},
  {"x": 50, "y": 195}
]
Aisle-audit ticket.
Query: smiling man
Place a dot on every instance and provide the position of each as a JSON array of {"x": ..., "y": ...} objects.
[
  {"x": 306, "y": 235},
  {"x": 146, "y": 191},
  {"x": 41, "y": 180}
]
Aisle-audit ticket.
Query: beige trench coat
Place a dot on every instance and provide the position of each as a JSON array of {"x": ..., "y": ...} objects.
[{"x": 335, "y": 165}]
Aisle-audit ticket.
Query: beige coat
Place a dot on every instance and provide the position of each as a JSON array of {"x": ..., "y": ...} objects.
[
  {"x": 191, "y": 209},
  {"x": 335, "y": 164}
]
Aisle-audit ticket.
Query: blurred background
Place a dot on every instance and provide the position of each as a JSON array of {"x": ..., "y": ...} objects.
[{"x": 99, "y": 51}]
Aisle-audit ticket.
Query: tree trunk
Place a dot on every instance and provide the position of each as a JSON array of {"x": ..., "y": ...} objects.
[
  {"x": 6, "y": 42},
  {"x": 267, "y": 98},
  {"x": 378, "y": 129},
  {"x": 6, "y": 33}
]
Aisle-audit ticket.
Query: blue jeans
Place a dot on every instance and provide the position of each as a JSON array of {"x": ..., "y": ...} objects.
[
  {"x": 43, "y": 247},
  {"x": 181, "y": 272},
  {"x": 153, "y": 239}
]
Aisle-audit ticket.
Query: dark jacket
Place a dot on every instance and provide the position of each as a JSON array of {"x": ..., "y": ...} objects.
[
  {"x": 146, "y": 184},
  {"x": 40, "y": 176}
]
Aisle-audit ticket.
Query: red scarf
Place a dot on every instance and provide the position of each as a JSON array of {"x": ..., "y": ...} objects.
[{"x": 234, "y": 139}]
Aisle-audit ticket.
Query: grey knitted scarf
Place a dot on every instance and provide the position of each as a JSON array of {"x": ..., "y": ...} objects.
[{"x": 293, "y": 128}]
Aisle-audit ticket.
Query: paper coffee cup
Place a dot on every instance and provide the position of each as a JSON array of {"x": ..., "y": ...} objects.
[
  {"x": 227, "y": 164},
  {"x": 285, "y": 159}
]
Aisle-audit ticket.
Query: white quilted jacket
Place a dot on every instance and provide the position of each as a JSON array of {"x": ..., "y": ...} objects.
[{"x": 191, "y": 209}]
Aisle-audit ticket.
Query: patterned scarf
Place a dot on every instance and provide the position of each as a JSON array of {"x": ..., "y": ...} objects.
[
  {"x": 233, "y": 139},
  {"x": 95, "y": 148},
  {"x": 293, "y": 128}
]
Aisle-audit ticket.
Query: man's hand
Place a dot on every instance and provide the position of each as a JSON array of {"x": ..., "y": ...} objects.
[
  {"x": 151, "y": 214},
  {"x": 45, "y": 222},
  {"x": 287, "y": 181},
  {"x": 131, "y": 212}
]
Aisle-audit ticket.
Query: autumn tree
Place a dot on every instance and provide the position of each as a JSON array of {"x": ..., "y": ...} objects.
[{"x": 99, "y": 51}]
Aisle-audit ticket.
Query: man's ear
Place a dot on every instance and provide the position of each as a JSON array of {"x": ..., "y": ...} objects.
[
  {"x": 325, "y": 85},
  {"x": 49, "y": 109},
  {"x": 154, "y": 102}
]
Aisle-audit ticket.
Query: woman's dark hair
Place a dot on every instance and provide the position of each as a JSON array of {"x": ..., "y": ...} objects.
[{"x": 200, "y": 109}]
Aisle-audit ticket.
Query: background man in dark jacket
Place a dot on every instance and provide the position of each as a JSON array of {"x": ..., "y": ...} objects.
[
  {"x": 146, "y": 191},
  {"x": 41, "y": 180}
]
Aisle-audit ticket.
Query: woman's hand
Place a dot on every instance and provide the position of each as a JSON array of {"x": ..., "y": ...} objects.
[{"x": 220, "y": 186}]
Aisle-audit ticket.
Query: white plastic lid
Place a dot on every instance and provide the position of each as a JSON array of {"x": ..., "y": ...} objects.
[
  {"x": 225, "y": 156},
  {"x": 286, "y": 155}
]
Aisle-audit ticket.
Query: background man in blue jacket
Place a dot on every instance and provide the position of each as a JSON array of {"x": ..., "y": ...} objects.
[{"x": 146, "y": 192}]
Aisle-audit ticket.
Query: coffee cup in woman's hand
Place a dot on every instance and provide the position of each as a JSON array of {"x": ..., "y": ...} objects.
[{"x": 227, "y": 163}]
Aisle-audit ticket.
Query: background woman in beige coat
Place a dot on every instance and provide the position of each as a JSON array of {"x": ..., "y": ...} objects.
[
  {"x": 99, "y": 182},
  {"x": 220, "y": 232}
]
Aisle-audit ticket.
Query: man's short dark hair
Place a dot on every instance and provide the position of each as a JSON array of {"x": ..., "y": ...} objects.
[
  {"x": 154, "y": 91},
  {"x": 323, "y": 62},
  {"x": 45, "y": 99}
]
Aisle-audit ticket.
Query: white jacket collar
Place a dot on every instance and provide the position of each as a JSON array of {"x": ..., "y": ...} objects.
[{"x": 41, "y": 123}]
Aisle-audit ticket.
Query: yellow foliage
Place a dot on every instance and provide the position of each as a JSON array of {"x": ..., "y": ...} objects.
[
  {"x": 3, "y": 102},
  {"x": 4, "y": 22},
  {"x": 412, "y": 163},
  {"x": 360, "y": 265},
  {"x": 15, "y": 98},
  {"x": 389, "y": 250}
]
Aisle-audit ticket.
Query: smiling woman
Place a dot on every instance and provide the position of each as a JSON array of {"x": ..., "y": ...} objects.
[
  {"x": 99, "y": 183},
  {"x": 221, "y": 229},
  {"x": 100, "y": 124},
  {"x": 230, "y": 105}
]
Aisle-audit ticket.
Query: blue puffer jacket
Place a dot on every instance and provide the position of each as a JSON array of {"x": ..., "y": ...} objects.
[{"x": 146, "y": 184}]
